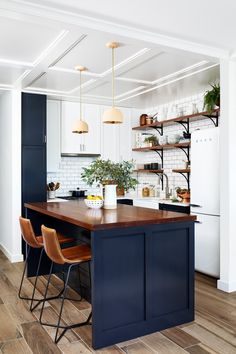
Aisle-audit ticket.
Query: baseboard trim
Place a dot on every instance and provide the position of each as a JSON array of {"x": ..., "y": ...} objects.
[
  {"x": 13, "y": 258},
  {"x": 227, "y": 287}
]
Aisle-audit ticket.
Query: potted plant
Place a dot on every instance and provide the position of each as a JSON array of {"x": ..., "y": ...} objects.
[
  {"x": 151, "y": 140},
  {"x": 212, "y": 98},
  {"x": 123, "y": 177},
  {"x": 107, "y": 173}
]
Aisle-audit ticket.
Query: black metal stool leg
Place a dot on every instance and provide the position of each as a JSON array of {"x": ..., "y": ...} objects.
[
  {"x": 45, "y": 295},
  {"x": 57, "y": 338},
  {"x": 23, "y": 275},
  {"x": 35, "y": 283},
  {"x": 58, "y": 325}
]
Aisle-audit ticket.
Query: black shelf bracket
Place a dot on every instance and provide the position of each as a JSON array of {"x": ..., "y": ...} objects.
[
  {"x": 186, "y": 175},
  {"x": 186, "y": 151},
  {"x": 185, "y": 124},
  {"x": 160, "y": 153},
  {"x": 159, "y": 129},
  {"x": 161, "y": 178},
  {"x": 213, "y": 118}
]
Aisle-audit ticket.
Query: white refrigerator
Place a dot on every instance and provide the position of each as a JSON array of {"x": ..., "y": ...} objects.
[{"x": 205, "y": 202}]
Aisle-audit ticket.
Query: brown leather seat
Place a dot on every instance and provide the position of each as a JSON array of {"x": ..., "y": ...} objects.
[
  {"x": 72, "y": 256},
  {"x": 36, "y": 241}
]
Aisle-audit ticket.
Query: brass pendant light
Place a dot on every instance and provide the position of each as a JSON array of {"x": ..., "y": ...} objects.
[
  {"x": 80, "y": 126},
  {"x": 112, "y": 115}
]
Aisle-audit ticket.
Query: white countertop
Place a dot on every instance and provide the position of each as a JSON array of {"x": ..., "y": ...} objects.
[{"x": 152, "y": 199}]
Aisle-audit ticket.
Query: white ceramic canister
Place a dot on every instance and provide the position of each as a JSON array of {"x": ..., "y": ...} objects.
[
  {"x": 51, "y": 194},
  {"x": 110, "y": 200}
]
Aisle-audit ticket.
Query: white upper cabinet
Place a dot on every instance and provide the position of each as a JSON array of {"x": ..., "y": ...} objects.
[
  {"x": 116, "y": 138},
  {"x": 92, "y": 140},
  {"x": 109, "y": 139},
  {"x": 72, "y": 143},
  {"x": 53, "y": 135},
  {"x": 125, "y": 136}
]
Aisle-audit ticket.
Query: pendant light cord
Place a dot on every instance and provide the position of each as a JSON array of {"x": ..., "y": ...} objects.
[
  {"x": 80, "y": 96},
  {"x": 113, "y": 78}
]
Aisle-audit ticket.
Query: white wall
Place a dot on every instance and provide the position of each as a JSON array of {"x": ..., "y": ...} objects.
[{"x": 10, "y": 176}]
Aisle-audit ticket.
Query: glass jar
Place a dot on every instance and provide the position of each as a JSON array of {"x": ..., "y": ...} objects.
[
  {"x": 145, "y": 191},
  {"x": 152, "y": 191}
]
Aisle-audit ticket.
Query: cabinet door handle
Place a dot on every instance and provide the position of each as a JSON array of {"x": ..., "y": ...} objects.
[
  {"x": 195, "y": 206},
  {"x": 80, "y": 147},
  {"x": 84, "y": 149},
  {"x": 197, "y": 222}
]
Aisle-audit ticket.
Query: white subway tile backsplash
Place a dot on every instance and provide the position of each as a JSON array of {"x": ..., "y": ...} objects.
[
  {"x": 69, "y": 175},
  {"x": 172, "y": 158}
]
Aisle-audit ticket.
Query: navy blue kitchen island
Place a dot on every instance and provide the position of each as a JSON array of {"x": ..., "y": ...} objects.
[{"x": 142, "y": 268}]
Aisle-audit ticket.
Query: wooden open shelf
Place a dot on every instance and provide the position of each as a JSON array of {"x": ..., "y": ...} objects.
[
  {"x": 177, "y": 119},
  {"x": 163, "y": 147},
  {"x": 149, "y": 171},
  {"x": 182, "y": 170}
]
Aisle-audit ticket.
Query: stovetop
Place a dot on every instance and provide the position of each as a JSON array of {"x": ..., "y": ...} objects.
[{"x": 69, "y": 197}]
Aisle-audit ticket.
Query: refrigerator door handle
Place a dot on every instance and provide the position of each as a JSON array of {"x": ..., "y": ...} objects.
[{"x": 195, "y": 206}]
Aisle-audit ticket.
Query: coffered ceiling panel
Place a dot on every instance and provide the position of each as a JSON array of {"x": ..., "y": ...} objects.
[
  {"x": 158, "y": 66},
  {"x": 9, "y": 75},
  {"x": 105, "y": 89},
  {"x": 22, "y": 41},
  {"x": 92, "y": 53},
  {"x": 59, "y": 81}
]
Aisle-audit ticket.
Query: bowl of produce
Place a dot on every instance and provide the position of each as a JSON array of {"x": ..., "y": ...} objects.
[{"x": 94, "y": 201}]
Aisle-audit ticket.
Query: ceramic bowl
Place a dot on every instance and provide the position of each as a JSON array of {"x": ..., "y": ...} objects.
[
  {"x": 163, "y": 140},
  {"x": 93, "y": 204}
]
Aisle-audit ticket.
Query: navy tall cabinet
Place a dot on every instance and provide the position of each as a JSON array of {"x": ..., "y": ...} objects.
[{"x": 34, "y": 173}]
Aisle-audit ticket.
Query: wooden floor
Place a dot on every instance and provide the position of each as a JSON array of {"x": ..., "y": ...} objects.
[{"x": 213, "y": 330}]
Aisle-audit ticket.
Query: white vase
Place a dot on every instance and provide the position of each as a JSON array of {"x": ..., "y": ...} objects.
[{"x": 110, "y": 201}]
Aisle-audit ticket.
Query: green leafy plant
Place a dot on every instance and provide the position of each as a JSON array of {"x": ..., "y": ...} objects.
[
  {"x": 108, "y": 172},
  {"x": 212, "y": 98},
  {"x": 151, "y": 139}
]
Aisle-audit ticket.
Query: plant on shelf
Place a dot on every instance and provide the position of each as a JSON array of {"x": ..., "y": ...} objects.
[
  {"x": 104, "y": 172},
  {"x": 212, "y": 98},
  {"x": 151, "y": 140}
]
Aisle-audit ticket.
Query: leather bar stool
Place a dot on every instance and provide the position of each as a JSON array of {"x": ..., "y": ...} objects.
[
  {"x": 70, "y": 257},
  {"x": 34, "y": 241}
]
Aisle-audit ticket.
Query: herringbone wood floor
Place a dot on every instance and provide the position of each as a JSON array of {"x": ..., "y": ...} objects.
[{"x": 213, "y": 331}]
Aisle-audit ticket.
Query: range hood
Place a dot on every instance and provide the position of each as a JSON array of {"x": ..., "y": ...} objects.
[{"x": 84, "y": 154}]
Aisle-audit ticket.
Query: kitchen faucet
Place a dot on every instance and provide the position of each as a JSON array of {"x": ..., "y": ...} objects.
[{"x": 167, "y": 191}]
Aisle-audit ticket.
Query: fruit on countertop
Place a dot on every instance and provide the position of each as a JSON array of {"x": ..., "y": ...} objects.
[{"x": 94, "y": 197}]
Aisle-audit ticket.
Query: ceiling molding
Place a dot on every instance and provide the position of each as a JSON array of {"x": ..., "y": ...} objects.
[
  {"x": 169, "y": 82},
  {"x": 16, "y": 63},
  {"x": 68, "y": 50},
  {"x": 137, "y": 81},
  {"x": 42, "y": 89},
  {"x": 126, "y": 61},
  {"x": 73, "y": 71},
  {"x": 50, "y": 47},
  {"x": 96, "y": 23},
  {"x": 129, "y": 92},
  {"x": 36, "y": 78}
]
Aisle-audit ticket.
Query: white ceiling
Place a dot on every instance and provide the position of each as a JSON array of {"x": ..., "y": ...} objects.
[
  {"x": 39, "y": 54},
  {"x": 211, "y": 22}
]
